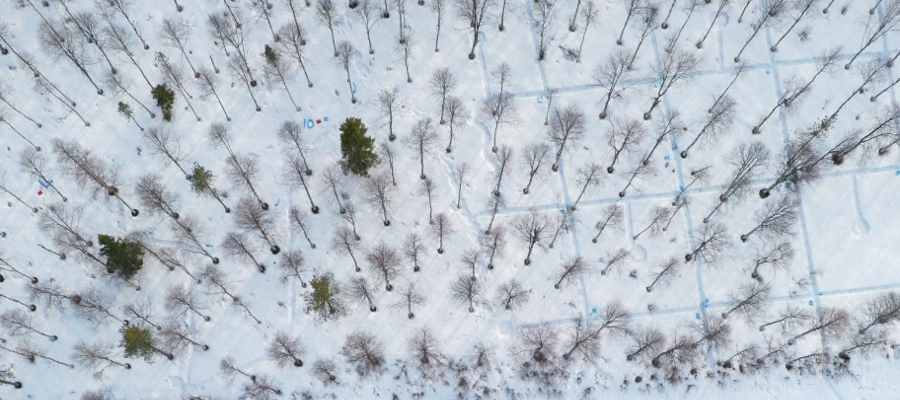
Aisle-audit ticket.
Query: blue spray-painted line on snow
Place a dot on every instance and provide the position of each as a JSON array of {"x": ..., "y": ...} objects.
[
  {"x": 46, "y": 185},
  {"x": 814, "y": 282},
  {"x": 698, "y": 263}
]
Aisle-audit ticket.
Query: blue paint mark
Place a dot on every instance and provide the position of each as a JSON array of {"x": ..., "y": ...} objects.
[
  {"x": 697, "y": 315},
  {"x": 540, "y": 100},
  {"x": 897, "y": 173},
  {"x": 810, "y": 302},
  {"x": 666, "y": 158},
  {"x": 185, "y": 325},
  {"x": 308, "y": 123},
  {"x": 594, "y": 310},
  {"x": 45, "y": 185},
  {"x": 325, "y": 119},
  {"x": 208, "y": 245},
  {"x": 276, "y": 203},
  {"x": 819, "y": 294},
  {"x": 768, "y": 72},
  {"x": 354, "y": 86},
  {"x": 704, "y": 303}
]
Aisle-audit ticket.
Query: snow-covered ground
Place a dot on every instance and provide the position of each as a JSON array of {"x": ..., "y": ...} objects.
[{"x": 844, "y": 239}]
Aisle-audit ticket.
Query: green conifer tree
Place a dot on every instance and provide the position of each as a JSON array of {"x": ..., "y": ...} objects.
[
  {"x": 325, "y": 300},
  {"x": 201, "y": 183},
  {"x": 271, "y": 56},
  {"x": 165, "y": 99},
  {"x": 138, "y": 341},
  {"x": 123, "y": 256},
  {"x": 357, "y": 148}
]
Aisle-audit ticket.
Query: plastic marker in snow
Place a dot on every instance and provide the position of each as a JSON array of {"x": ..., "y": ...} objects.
[{"x": 40, "y": 192}]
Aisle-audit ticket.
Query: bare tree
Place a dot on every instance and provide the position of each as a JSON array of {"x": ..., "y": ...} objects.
[
  {"x": 719, "y": 11},
  {"x": 495, "y": 240},
  {"x": 631, "y": 7},
  {"x": 176, "y": 33},
  {"x": 242, "y": 169},
  {"x": 494, "y": 204},
  {"x": 504, "y": 157},
  {"x": 665, "y": 272},
  {"x": 457, "y": 115},
  {"x": 567, "y": 127},
  {"x": 716, "y": 124},
  {"x": 294, "y": 36},
  {"x": 248, "y": 217},
  {"x": 423, "y": 140},
  {"x": 177, "y": 338},
  {"x": 612, "y": 217},
  {"x": 439, "y": 7},
  {"x": 775, "y": 220},
  {"x": 710, "y": 243},
  {"x": 461, "y": 171},
  {"x": 173, "y": 75},
  {"x": 531, "y": 228},
  {"x": 425, "y": 354},
  {"x": 141, "y": 310},
  {"x": 120, "y": 84},
  {"x": 883, "y": 309},
  {"x": 769, "y": 14},
  {"x": 359, "y": 291},
  {"x": 163, "y": 143},
  {"x": 369, "y": 14},
  {"x": 648, "y": 16},
  {"x": 385, "y": 264},
  {"x": 801, "y": 161},
  {"x": 93, "y": 306},
  {"x": 658, "y": 216},
  {"x": 296, "y": 174},
  {"x": 512, "y": 295},
  {"x": 365, "y": 353},
  {"x": 739, "y": 70},
  {"x": 679, "y": 353},
  {"x": 715, "y": 333},
  {"x": 237, "y": 244},
  {"x": 293, "y": 266},
  {"x": 121, "y": 7},
  {"x": 884, "y": 131},
  {"x": 300, "y": 220},
  {"x": 623, "y": 138},
  {"x": 464, "y": 290},
  {"x": 87, "y": 169},
  {"x": 542, "y": 16},
  {"x": 265, "y": 8},
  {"x": 748, "y": 301},
  {"x": 388, "y": 103},
  {"x": 789, "y": 319},
  {"x": 60, "y": 42},
  {"x": 746, "y": 159},
  {"x": 473, "y": 13},
  {"x": 378, "y": 188},
  {"x": 30, "y": 307},
  {"x": 344, "y": 53},
  {"x": 533, "y": 158},
  {"x": 325, "y": 370},
  {"x": 801, "y": 9},
  {"x": 97, "y": 356},
  {"x": 590, "y": 16},
  {"x": 5, "y": 90},
  {"x": 4, "y": 188},
  {"x": 19, "y": 323},
  {"x": 400, "y": 6},
  {"x": 442, "y": 83},
  {"x": 535, "y": 353},
  {"x": 188, "y": 231},
  {"x": 610, "y": 74},
  {"x": 180, "y": 300},
  {"x": 409, "y": 297},
  {"x": 614, "y": 260},
  {"x": 345, "y": 240},
  {"x": 282, "y": 71},
  {"x": 230, "y": 369},
  {"x": 570, "y": 272},
  {"x": 501, "y": 109},
  {"x": 833, "y": 324},
  {"x": 673, "y": 68},
  {"x": 156, "y": 197},
  {"x": 261, "y": 388},
  {"x": 777, "y": 256},
  {"x": 291, "y": 133},
  {"x": 413, "y": 247},
  {"x": 286, "y": 349},
  {"x": 214, "y": 279},
  {"x": 241, "y": 70},
  {"x": 230, "y": 32},
  {"x": 50, "y": 295}
]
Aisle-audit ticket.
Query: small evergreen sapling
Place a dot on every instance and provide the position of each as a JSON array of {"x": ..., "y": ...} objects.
[
  {"x": 138, "y": 341},
  {"x": 165, "y": 99},
  {"x": 357, "y": 148},
  {"x": 123, "y": 256},
  {"x": 325, "y": 299}
]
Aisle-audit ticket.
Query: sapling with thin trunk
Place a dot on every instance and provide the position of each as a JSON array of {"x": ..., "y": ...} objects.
[
  {"x": 237, "y": 245},
  {"x": 567, "y": 127},
  {"x": 531, "y": 228},
  {"x": 385, "y": 264}
]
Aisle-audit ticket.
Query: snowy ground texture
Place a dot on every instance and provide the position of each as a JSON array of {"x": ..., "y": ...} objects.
[{"x": 844, "y": 238}]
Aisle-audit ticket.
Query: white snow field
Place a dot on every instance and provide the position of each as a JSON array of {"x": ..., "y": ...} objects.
[{"x": 844, "y": 239}]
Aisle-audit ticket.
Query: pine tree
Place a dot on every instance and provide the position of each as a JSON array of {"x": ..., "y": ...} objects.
[
  {"x": 325, "y": 299},
  {"x": 138, "y": 341},
  {"x": 123, "y": 256},
  {"x": 165, "y": 99},
  {"x": 356, "y": 147}
]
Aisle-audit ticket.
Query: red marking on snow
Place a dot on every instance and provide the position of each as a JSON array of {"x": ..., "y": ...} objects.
[
  {"x": 667, "y": 164},
  {"x": 40, "y": 192},
  {"x": 318, "y": 121}
]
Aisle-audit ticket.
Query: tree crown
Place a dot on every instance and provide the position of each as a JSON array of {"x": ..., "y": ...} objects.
[
  {"x": 123, "y": 256},
  {"x": 357, "y": 148},
  {"x": 138, "y": 341}
]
